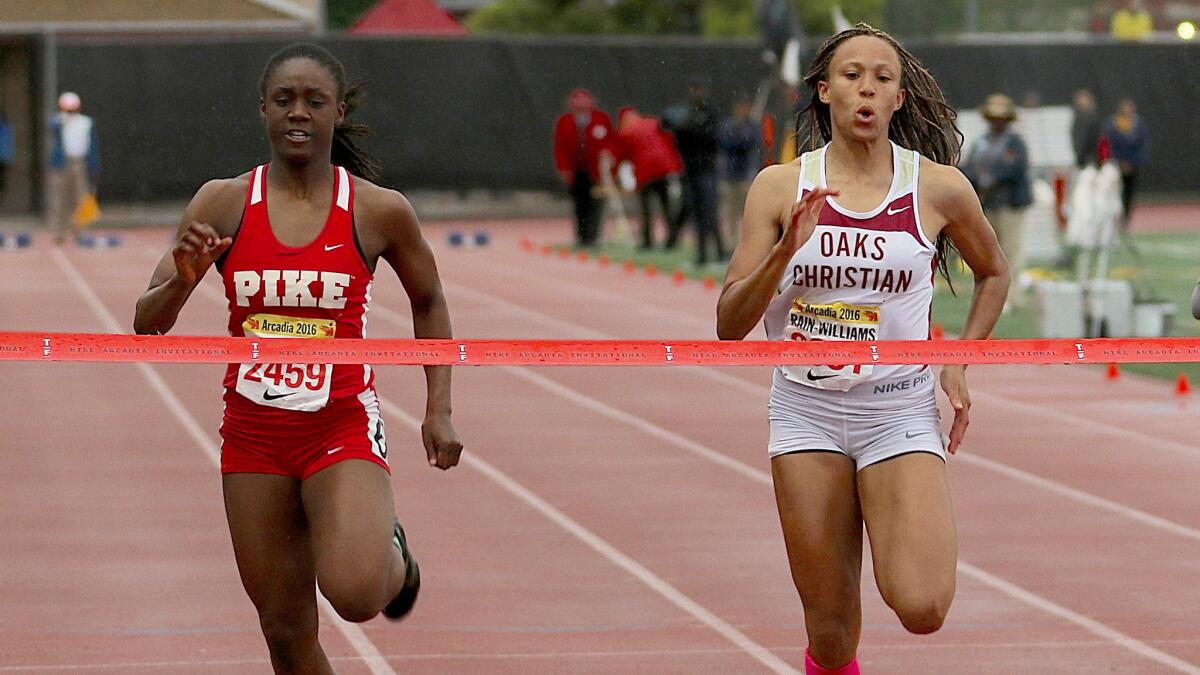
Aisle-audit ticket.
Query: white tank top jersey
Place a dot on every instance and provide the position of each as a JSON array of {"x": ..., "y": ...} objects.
[{"x": 861, "y": 276}]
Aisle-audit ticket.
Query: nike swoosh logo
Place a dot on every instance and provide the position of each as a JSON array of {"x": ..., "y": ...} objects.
[
  {"x": 268, "y": 396},
  {"x": 892, "y": 213},
  {"x": 910, "y": 434},
  {"x": 330, "y": 452},
  {"x": 817, "y": 378},
  {"x": 330, "y": 248}
]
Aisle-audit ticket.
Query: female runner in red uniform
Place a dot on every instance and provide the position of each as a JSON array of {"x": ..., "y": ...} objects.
[
  {"x": 303, "y": 458},
  {"x": 842, "y": 244}
]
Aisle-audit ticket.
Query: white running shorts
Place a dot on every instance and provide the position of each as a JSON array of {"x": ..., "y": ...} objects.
[{"x": 871, "y": 422}]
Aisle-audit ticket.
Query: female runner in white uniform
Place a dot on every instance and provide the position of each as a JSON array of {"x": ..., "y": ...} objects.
[{"x": 842, "y": 244}]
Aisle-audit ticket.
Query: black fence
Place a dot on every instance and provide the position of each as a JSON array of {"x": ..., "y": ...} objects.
[{"x": 479, "y": 113}]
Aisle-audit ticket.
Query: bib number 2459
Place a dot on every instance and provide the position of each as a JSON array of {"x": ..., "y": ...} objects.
[{"x": 293, "y": 386}]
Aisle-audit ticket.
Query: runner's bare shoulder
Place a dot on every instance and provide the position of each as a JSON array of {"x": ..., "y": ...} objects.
[{"x": 220, "y": 203}]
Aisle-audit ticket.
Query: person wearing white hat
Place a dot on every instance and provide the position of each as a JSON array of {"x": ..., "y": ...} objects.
[{"x": 74, "y": 162}]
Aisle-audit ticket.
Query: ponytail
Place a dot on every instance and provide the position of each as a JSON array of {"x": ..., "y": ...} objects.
[{"x": 346, "y": 152}]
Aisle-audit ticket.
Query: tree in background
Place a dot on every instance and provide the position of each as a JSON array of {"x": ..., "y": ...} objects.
[
  {"x": 545, "y": 16},
  {"x": 945, "y": 17},
  {"x": 653, "y": 17},
  {"x": 816, "y": 16},
  {"x": 341, "y": 14},
  {"x": 735, "y": 18},
  {"x": 711, "y": 18}
]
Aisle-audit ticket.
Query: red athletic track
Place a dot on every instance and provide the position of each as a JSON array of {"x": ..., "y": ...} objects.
[{"x": 604, "y": 520}]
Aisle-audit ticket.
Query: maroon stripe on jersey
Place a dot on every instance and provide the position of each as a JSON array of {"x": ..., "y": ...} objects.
[{"x": 898, "y": 216}]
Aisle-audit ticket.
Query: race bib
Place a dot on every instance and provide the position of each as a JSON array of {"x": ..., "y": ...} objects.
[
  {"x": 840, "y": 322},
  {"x": 291, "y": 386}
]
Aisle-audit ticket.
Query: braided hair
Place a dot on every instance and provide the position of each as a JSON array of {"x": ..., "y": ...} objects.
[
  {"x": 345, "y": 152},
  {"x": 925, "y": 123}
]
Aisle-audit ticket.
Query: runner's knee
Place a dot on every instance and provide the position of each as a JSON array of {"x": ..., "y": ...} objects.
[
  {"x": 921, "y": 613},
  {"x": 355, "y": 600}
]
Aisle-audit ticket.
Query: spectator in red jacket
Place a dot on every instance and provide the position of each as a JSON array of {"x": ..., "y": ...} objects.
[
  {"x": 651, "y": 150},
  {"x": 580, "y": 137}
]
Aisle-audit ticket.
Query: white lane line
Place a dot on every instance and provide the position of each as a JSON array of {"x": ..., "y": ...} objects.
[
  {"x": 1008, "y": 588},
  {"x": 1005, "y": 587},
  {"x": 651, "y": 308},
  {"x": 353, "y": 634},
  {"x": 609, "y": 552},
  {"x": 1090, "y": 625},
  {"x": 1144, "y": 440},
  {"x": 1085, "y": 423},
  {"x": 532, "y": 315},
  {"x": 763, "y": 391},
  {"x": 577, "y": 331},
  {"x": 645, "y": 426},
  {"x": 1087, "y": 498}
]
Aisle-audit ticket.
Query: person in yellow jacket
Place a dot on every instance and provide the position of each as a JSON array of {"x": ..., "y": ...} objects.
[{"x": 1132, "y": 22}]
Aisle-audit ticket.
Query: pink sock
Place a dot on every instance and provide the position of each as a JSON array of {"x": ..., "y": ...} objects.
[{"x": 811, "y": 667}]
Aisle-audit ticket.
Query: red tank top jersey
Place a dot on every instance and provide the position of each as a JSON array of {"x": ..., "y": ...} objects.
[{"x": 319, "y": 291}]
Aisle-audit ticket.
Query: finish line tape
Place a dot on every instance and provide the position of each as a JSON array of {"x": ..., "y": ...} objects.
[{"x": 203, "y": 349}]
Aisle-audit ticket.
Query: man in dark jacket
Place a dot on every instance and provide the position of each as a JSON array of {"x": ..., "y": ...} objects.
[
  {"x": 998, "y": 167},
  {"x": 695, "y": 129},
  {"x": 740, "y": 137},
  {"x": 1129, "y": 139},
  {"x": 1085, "y": 128}
]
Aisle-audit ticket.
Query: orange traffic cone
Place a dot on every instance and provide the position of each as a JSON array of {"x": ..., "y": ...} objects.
[
  {"x": 651, "y": 270},
  {"x": 1182, "y": 386},
  {"x": 936, "y": 332},
  {"x": 677, "y": 276},
  {"x": 86, "y": 213},
  {"x": 710, "y": 282},
  {"x": 604, "y": 260},
  {"x": 1113, "y": 372},
  {"x": 628, "y": 266}
]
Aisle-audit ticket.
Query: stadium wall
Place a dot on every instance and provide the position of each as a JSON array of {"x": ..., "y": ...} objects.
[{"x": 478, "y": 113}]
